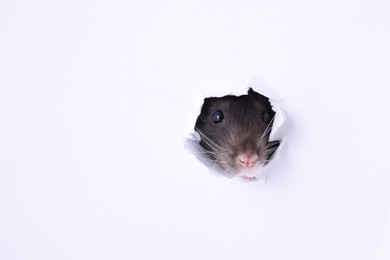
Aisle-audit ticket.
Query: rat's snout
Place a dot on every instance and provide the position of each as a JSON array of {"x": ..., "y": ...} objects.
[{"x": 247, "y": 159}]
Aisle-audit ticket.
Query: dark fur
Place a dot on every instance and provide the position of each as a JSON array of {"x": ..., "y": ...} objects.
[{"x": 241, "y": 130}]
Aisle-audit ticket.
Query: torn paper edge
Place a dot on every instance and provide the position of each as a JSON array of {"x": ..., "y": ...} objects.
[
  {"x": 193, "y": 146},
  {"x": 383, "y": 252}
]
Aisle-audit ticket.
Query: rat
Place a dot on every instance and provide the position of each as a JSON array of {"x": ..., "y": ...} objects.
[{"x": 234, "y": 133}]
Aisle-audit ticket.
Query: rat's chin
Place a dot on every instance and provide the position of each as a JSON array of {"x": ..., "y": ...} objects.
[
  {"x": 250, "y": 172},
  {"x": 234, "y": 170}
]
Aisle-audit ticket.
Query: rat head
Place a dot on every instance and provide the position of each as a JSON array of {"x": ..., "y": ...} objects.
[{"x": 234, "y": 131}]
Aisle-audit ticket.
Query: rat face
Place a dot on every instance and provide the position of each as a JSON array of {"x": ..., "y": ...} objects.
[{"x": 235, "y": 131}]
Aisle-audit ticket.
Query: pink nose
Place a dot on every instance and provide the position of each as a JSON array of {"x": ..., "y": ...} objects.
[{"x": 247, "y": 160}]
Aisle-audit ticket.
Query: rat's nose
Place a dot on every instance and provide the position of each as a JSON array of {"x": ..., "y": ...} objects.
[{"x": 247, "y": 160}]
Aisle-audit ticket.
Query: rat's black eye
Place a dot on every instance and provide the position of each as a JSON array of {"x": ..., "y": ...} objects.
[
  {"x": 217, "y": 117},
  {"x": 266, "y": 117}
]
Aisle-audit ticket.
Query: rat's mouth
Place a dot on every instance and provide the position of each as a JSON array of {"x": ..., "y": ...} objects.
[{"x": 250, "y": 172}]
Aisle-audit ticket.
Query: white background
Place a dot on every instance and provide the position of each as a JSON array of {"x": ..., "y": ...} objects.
[{"x": 97, "y": 97}]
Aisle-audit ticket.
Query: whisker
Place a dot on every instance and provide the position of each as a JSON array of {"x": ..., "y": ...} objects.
[
  {"x": 202, "y": 118},
  {"x": 215, "y": 155},
  {"x": 268, "y": 128},
  {"x": 275, "y": 161},
  {"x": 214, "y": 150},
  {"x": 208, "y": 139},
  {"x": 271, "y": 149},
  {"x": 270, "y": 152}
]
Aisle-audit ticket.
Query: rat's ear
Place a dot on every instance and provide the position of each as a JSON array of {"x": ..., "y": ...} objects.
[
  {"x": 206, "y": 101},
  {"x": 206, "y": 104},
  {"x": 253, "y": 93},
  {"x": 209, "y": 100}
]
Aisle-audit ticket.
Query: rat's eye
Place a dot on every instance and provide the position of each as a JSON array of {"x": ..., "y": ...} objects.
[
  {"x": 217, "y": 117},
  {"x": 266, "y": 117}
]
